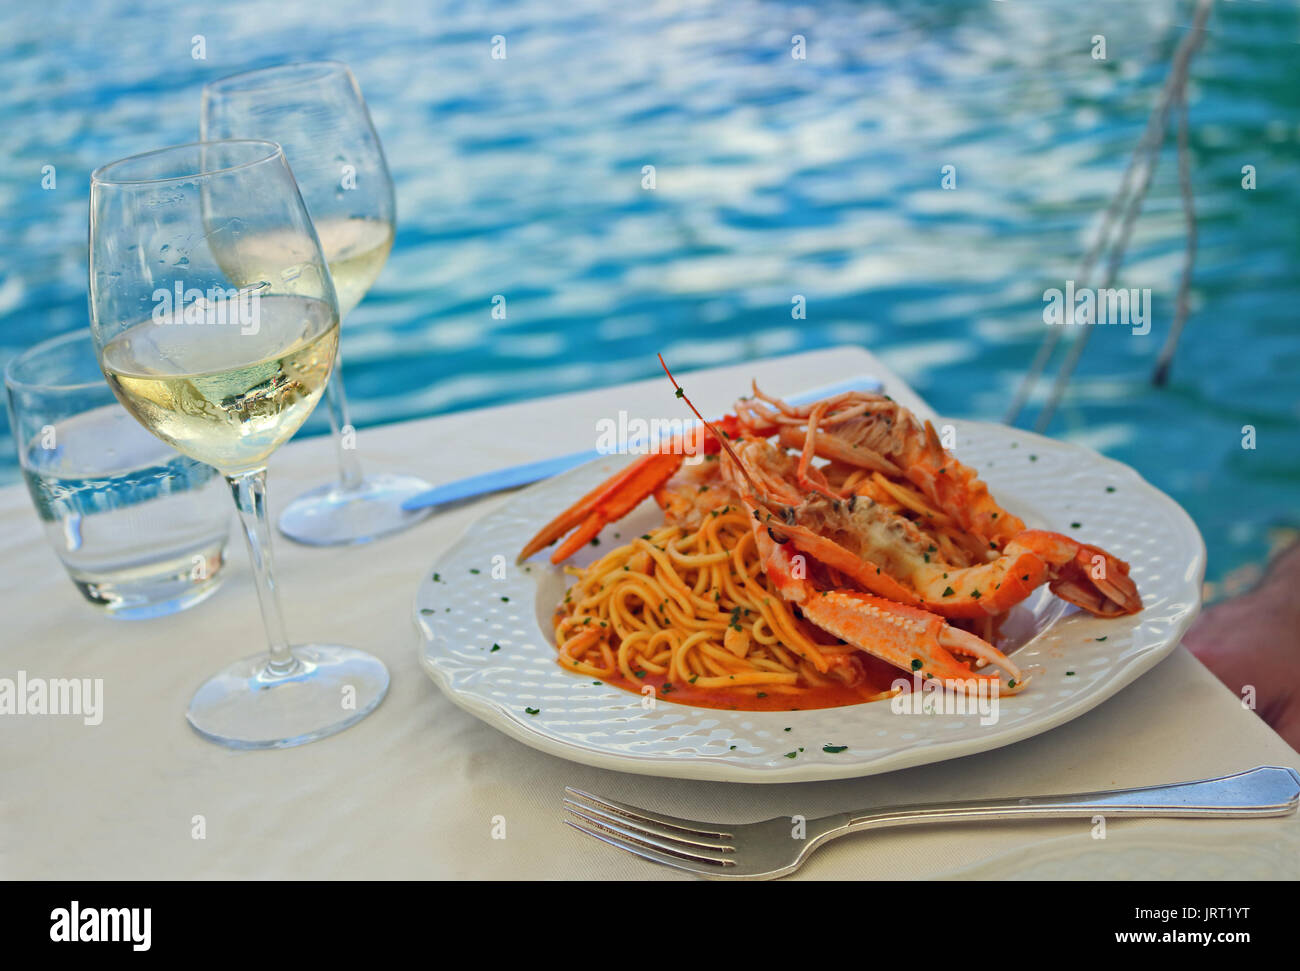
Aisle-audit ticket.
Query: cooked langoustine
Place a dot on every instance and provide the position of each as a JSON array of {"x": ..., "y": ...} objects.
[{"x": 882, "y": 545}]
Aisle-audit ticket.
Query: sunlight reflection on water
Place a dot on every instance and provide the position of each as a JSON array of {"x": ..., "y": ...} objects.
[{"x": 775, "y": 176}]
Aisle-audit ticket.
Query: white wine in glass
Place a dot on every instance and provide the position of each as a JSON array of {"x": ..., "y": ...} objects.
[
  {"x": 232, "y": 401},
  {"x": 356, "y": 250},
  {"x": 316, "y": 112},
  {"x": 223, "y": 357}
]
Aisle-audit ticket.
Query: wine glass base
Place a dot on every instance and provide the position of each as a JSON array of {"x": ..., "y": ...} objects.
[
  {"x": 334, "y": 516},
  {"x": 337, "y": 516},
  {"x": 248, "y": 706}
]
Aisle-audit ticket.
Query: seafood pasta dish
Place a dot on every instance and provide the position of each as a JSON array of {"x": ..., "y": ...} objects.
[{"x": 808, "y": 557}]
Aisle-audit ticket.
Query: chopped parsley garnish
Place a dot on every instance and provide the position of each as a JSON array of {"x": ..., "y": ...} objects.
[
  {"x": 533, "y": 711},
  {"x": 948, "y": 591},
  {"x": 834, "y": 749}
]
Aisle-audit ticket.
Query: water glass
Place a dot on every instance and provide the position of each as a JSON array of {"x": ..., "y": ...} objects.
[{"x": 140, "y": 528}]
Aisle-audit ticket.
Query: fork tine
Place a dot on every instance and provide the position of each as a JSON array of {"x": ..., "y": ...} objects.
[
  {"x": 705, "y": 841},
  {"x": 648, "y": 853},
  {"x": 666, "y": 839},
  {"x": 680, "y": 851},
  {"x": 692, "y": 827}
]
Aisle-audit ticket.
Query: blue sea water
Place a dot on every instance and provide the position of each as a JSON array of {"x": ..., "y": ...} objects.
[{"x": 775, "y": 176}]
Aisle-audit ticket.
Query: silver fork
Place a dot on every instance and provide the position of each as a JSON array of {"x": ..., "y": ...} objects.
[{"x": 773, "y": 848}]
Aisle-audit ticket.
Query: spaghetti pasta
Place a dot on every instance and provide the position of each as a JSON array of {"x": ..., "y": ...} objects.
[{"x": 690, "y": 614}]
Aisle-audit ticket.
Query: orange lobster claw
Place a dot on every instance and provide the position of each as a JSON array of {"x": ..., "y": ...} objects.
[
  {"x": 611, "y": 500},
  {"x": 621, "y": 493},
  {"x": 909, "y": 638},
  {"x": 1098, "y": 582}
]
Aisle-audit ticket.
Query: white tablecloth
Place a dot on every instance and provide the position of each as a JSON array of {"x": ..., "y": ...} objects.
[{"x": 413, "y": 790}]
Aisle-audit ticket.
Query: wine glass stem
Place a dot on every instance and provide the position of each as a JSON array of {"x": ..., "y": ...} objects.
[
  {"x": 249, "y": 490},
  {"x": 344, "y": 434}
]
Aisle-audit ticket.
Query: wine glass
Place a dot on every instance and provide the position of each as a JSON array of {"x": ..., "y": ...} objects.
[
  {"x": 221, "y": 343},
  {"x": 316, "y": 112}
]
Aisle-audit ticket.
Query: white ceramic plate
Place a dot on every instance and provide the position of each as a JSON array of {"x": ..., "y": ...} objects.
[{"x": 462, "y": 614}]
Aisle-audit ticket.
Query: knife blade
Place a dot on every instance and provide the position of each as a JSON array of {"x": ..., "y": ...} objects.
[{"x": 514, "y": 476}]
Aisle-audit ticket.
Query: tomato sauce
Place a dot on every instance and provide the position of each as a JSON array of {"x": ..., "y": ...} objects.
[{"x": 877, "y": 676}]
